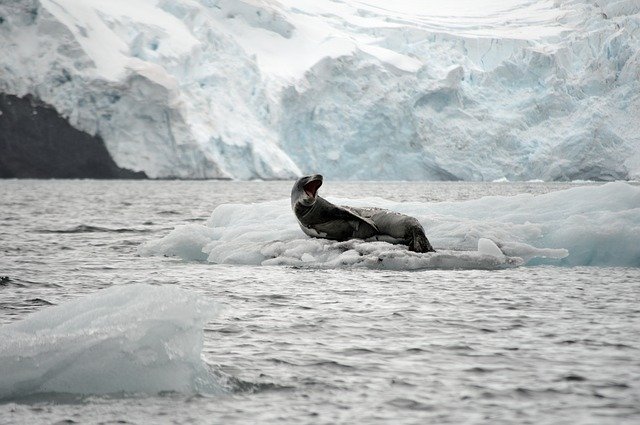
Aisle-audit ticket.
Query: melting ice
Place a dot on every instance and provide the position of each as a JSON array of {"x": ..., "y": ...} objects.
[
  {"x": 590, "y": 225},
  {"x": 135, "y": 338}
]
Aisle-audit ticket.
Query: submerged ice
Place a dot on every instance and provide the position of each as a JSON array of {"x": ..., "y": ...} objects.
[
  {"x": 590, "y": 225},
  {"x": 471, "y": 90},
  {"x": 134, "y": 338}
]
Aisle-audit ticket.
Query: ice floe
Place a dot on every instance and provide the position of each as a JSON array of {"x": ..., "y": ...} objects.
[{"x": 590, "y": 225}]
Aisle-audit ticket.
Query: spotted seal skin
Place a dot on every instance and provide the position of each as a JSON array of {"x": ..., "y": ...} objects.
[{"x": 320, "y": 218}]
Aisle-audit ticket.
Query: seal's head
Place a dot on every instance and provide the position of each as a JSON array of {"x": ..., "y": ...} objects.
[{"x": 305, "y": 190}]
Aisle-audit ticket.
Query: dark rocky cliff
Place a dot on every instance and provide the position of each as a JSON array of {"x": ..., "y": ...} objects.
[{"x": 36, "y": 142}]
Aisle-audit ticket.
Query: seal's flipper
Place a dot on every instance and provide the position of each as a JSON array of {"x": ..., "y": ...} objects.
[
  {"x": 358, "y": 218},
  {"x": 418, "y": 241}
]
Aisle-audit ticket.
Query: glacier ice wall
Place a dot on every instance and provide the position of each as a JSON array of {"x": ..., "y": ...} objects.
[
  {"x": 169, "y": 93},
  {"x": 562, "y": 106},
  {"x": 473, "y": 90}
]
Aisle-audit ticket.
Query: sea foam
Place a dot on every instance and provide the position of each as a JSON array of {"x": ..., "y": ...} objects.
[
  {"x": 590, "y": 225},
  {"x": 134, "y": 338}
]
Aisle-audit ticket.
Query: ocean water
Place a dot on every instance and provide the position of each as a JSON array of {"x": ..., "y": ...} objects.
[{"x": 540, "y": 343}]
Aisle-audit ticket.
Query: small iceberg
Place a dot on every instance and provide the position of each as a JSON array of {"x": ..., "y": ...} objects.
[
  {"x": 581, "y": 226},
  {"x": 134, "y": 339}
]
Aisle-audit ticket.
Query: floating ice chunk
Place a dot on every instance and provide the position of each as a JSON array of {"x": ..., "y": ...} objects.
[
  {"x": 528, "y": 252},
  {"x": 184, "y": 242},
  {"x": 376, "y": 255},
  {"x": 488, "y": 247},
  {"x": 307, "y": 258},
  {"x": 134, "y": 338},
  {"x": 591, "y": 225}
]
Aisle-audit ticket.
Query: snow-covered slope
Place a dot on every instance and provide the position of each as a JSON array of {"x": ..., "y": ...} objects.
[{"x": 359, "y": 89}]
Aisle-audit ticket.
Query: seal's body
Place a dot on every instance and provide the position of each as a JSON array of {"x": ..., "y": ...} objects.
[{"x": 320, "y": 218}]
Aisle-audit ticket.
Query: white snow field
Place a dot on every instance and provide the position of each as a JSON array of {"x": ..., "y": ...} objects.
[
  {"x": 581, "y": 226},
  {"x": 359, "y": 89}
]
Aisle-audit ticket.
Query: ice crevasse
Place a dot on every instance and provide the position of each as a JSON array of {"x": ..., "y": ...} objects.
[{"x": 472, "y": 90}]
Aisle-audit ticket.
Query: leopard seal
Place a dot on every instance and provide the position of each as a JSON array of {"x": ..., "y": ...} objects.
[{"x": 320, "y": 218}]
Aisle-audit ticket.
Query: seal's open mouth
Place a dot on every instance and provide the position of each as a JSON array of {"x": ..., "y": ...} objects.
[{"x": 312, "y": 187}]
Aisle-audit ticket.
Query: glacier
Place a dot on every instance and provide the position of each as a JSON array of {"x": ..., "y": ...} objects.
[
  {"x": 580, "y": 226},
  {"x": 362, "y": 89}
]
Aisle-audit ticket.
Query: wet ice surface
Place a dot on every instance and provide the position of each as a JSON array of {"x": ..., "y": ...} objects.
[
  {"x": 540, "y": 344},
  {"x": 126, "y": 338}
]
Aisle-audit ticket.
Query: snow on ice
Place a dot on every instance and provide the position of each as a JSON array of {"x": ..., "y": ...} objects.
[
  {"x": 590, "y": 225},
  {"x": 366, "y": 89}
]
